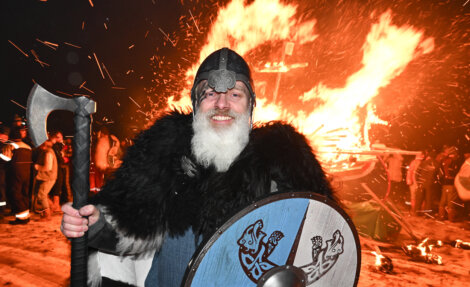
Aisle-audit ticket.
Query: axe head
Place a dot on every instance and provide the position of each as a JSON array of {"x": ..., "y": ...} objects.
[{"x": 40, "y": 104}]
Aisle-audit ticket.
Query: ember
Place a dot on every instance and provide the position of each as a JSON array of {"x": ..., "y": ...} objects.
[
  {"x": 422, "y": 252},
  {"x": 383, "y": 263},
  {"x": 461, "y": 244}
]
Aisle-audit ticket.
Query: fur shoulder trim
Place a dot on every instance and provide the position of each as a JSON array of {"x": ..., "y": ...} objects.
[
  {"x": 142, "y": 197},
  {"x": 290, "y": 159}
]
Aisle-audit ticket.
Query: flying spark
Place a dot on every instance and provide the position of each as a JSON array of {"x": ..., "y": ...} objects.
[
  {"x": 18, "y": 104},
  {"x": 72, "y": 45},
  {"x": 135, "y": 102},
  {"x": 48, "y": 44},
  {"x": 107, "y": 73},
  {"x": 37, "y": 59},
  {"x": 18, "y": 49},
  {"x": 167, "y": 37},
  {"x": 88, "y": 89},
  {"x": 98, "y": 63},
  {"x": 458, "y": 204},
  {"x": 195, "y": 24},
  {"x": 64, "y": 93},
  {"x": 429, "y": 215},
  {"x": 82, "y": 86}
]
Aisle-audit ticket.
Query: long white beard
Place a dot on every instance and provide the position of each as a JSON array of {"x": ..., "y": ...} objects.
[{"x": 219, "y": 147}]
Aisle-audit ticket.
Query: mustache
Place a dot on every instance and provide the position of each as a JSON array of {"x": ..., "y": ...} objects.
[{"x": 219, "y": 112}]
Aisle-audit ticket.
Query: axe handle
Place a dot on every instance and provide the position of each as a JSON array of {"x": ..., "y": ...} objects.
[{"x": 80, "y": 188}]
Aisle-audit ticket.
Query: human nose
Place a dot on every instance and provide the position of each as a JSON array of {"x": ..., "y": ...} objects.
[{"x": 221, "y": 102}]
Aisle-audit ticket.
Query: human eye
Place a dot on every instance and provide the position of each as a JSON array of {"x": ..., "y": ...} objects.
[
  {"x": 209, "y": 93},
  {"x": 236, "y": 95}
]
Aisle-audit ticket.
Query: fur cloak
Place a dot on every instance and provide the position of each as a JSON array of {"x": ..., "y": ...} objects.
[{"x": 160, "y": 189}]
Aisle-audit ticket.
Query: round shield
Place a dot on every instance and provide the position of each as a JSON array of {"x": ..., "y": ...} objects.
[{"x": 286, "y": 239}]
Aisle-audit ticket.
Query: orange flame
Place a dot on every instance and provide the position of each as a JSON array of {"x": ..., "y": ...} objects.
[
  {"x": 378, "y": 258},
  {"x": 334, "y": 126},
  {"x": 425, "y": 251}
]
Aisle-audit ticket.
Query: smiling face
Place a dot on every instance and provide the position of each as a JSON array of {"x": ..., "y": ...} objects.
[
  {"x": 221, "y": 125},
  {"x": 222, "y": 108}
]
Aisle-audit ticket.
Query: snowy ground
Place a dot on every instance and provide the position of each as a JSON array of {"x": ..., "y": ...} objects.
[
  {"x": 37, "y": 254},
  {"x": 455, "y": 270}
]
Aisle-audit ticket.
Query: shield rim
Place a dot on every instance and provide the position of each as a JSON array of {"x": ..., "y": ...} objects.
[{"x": 205, "y": 245}]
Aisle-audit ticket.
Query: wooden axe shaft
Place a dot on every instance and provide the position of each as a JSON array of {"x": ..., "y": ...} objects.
[{"x": 80, "y": 188}]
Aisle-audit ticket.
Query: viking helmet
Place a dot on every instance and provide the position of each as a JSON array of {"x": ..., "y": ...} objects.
[{"x": 222, "y": 69}]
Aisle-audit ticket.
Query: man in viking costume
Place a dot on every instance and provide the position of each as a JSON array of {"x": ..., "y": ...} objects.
[{"x": 186, "y": 175}]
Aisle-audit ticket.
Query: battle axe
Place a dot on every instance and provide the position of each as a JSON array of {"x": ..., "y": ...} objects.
[{"x": 40, "y": 104}]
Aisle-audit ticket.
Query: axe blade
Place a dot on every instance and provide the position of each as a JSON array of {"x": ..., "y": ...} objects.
[{"x": 40, "y": 104}]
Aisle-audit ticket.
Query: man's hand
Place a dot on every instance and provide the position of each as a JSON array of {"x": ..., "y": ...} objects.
[{"x": 73, "y": 222}]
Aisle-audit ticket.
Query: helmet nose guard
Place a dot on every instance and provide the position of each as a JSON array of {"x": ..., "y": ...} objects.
[{"x": 222, "y": 69}]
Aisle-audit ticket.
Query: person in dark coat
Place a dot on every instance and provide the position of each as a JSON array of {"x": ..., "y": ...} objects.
[
  {"x": 18, "y": 178},
  {"x": 5, "y": 157},
  {"x": 186, "y": 175},
  {"x": 59, "y": 192}
]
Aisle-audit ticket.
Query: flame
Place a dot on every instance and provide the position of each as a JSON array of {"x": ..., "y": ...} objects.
[
  {"x": 378, "y": 258},
  {"x": 344, "y": 116},
  {"x": 424, "y": 249},
  {"x": 243, "y": 28},
  {"x": 280, "y": 67},
  {"x": 386, "y": 52},
  {"x": 382, "y": 263}
]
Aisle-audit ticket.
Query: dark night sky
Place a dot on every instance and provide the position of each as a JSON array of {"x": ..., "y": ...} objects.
[
  {"x": 428, "y": 104},
  {"x": 106, "y": 30}
]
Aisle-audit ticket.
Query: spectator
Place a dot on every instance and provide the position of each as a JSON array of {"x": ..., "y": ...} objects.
[
  {"x": 411, "y": 180},
  {"x": 106, "y": 156},
  {"x": 18, "y": 178},
  {"x": 447, "y": 172},
  {"x": 67, "y": 154},
  {"x": 394, "y": 165},
  {"x": 20, "y": 124},
  {"x": 425, "y": 176},
  {"x": 5, "y": 157},
  {"x": 17, "y": 122},
  {"x": 59, "y": 191},
  {"x": 45, "y": 180}
]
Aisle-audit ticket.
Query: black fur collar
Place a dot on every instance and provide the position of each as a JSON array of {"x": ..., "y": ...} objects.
[{"x": 152, "y": 193}]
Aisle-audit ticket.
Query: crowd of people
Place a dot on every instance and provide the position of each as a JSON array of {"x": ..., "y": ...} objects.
[
  {"x": 36, "y": 180},
  {"x": 32, "y": 179},
  {"x": 436, "y": 185}
]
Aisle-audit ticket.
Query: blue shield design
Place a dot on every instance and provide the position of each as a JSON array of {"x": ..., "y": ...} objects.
[{"x": 300, "y": 229}]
